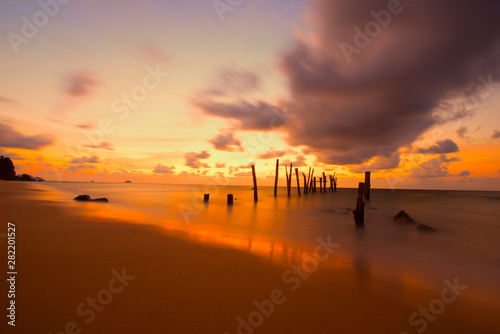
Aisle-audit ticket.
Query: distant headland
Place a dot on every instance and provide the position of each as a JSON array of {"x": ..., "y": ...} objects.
[{"x": 8, "y": 172}]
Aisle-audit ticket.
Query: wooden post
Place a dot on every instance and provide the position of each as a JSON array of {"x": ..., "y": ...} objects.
[
  {"x": 298, "y": 181},
  {"x": 276, "y": 177},
  {"x": 359, "y": 212},
  {"x": 309, "y": 188},
  {"x": 324, "y": 182},
  {"x": 206, "y": 198},
  {"x": 314, "y": 184},
  {"x": 230, "y": 199},
  {"x": 287, "y": 183},
  {"x": 367, "y": 186},
  {"x": 331, "y": 183},
  {"x": 334, "y": 182},
  {"x": 255, "y": 195},
  {"x": 305, "y": 183},
  {"x": 290, "y": 181},
  {"x": 320, "y": 184}
]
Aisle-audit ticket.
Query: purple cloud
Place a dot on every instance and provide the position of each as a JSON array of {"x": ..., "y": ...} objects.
[{"x": 14, "y": 139}]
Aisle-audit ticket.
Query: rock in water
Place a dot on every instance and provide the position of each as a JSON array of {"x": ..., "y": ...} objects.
[
  {"x": 87, "y": 198},
  {"x": 425, "y": 228},
  {"x": 403, "y": 217}
]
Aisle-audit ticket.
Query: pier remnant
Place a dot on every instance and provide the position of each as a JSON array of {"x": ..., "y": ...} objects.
[
  {"x": 276, "y": 177},
  {"x": 324, "y": 182},
  {"x": 230, "y": 199},
  {"x": 359, "y": 212},
  {"x": 255, "y": 195},
  {"x": 206, "y": 198},
  {"x": 305, "y": 183},
  {"x": 298, "y": 181}
]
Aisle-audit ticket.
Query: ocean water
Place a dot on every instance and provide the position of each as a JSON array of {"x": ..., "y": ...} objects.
[{"x": 466, "y": 244}]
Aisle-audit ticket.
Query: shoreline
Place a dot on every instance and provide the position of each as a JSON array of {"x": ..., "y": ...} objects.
[{"x": 182, "y": 286}]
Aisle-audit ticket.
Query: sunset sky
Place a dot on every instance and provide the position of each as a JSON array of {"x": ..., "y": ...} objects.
[{"x": 195, "y": 91}]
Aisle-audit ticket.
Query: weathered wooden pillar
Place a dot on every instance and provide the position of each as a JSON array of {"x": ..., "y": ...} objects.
[
  {"x": 276, "y": 177},
  {"x": 314, "y": 184},
  {"x": 287, "y": 181},
  {"x": 298, "y": 181},
  {"x": 320, "y": 184},
  {"x": 206, "y": 198},
  {"x": 305, "y": 183},
  {"x": 359, "y": 212},
  {"x": 367, "y": 186},
  {"x": 230, "y": 199},
  {"x": 324, "y": 182},
  {"x": 255, "y": 195},
  {"x": 334, "y": 182}
]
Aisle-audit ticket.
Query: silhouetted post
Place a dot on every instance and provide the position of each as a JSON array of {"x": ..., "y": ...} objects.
[
  {"x": 206, "y": 198},
  {"x": 276, "y": 177},
  {"x": 331, "y": 183},
  {"x": 255, "y": 195},
  {"x": 367, "y": 186},
  {"x": 359, "y": 212},
  {"x": 230, "y": 199},
  {"x": 305, "y": 183},
  {"x": 298, "y": 181},
  {"x": 309, "y": 189},
  {"x": 290, "y": 181},
  {"x": 334, "y": 182},
  {"x": 287, "y": 183},
  {"x": 324, "y": 182},
  {"x": 314, "y": 183},
  {"x": 320, "y": 184}
]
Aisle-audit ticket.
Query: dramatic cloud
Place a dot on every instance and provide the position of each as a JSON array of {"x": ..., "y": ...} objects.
[
  {"x": 193, "y": 159},
  {"x": 250, "y": 116},
  {"x": 434, "y": 168},
  {"x": 441, "y": 147},
  {"x": 159, "y": 169},
  {"x": 386, "y": 94},
  {"x": 226, "y": 142},
  {"x": 13, "y": 139},
  {"x": 103, "y": 145},
  {"x": 272, "y": 154},
  {"x": 79, "y": 83},
  {"x": 382, "y": 162},
  {"x": 90, "y": 160},
  {"x": 496, "y": 134}
]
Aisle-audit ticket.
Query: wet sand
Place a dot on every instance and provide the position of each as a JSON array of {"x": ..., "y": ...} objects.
[{"x": 81, "y": 276}]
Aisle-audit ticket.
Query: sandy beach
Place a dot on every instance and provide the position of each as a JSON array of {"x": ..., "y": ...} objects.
[{"x": 83, "y": 276}]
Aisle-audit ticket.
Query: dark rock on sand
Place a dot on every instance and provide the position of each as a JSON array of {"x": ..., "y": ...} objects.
[{"x": 87, "y": 198}]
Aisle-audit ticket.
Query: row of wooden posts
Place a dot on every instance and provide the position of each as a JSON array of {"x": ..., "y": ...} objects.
[
  {"x": 310, "y": 186},
  {"x": 310, "y": 183}
]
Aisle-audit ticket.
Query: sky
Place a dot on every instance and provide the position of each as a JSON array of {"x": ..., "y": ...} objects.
[{"x": 195, "y": 92}]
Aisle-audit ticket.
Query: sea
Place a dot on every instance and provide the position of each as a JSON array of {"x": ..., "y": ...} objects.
[{"x": 466, "y": 245}]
